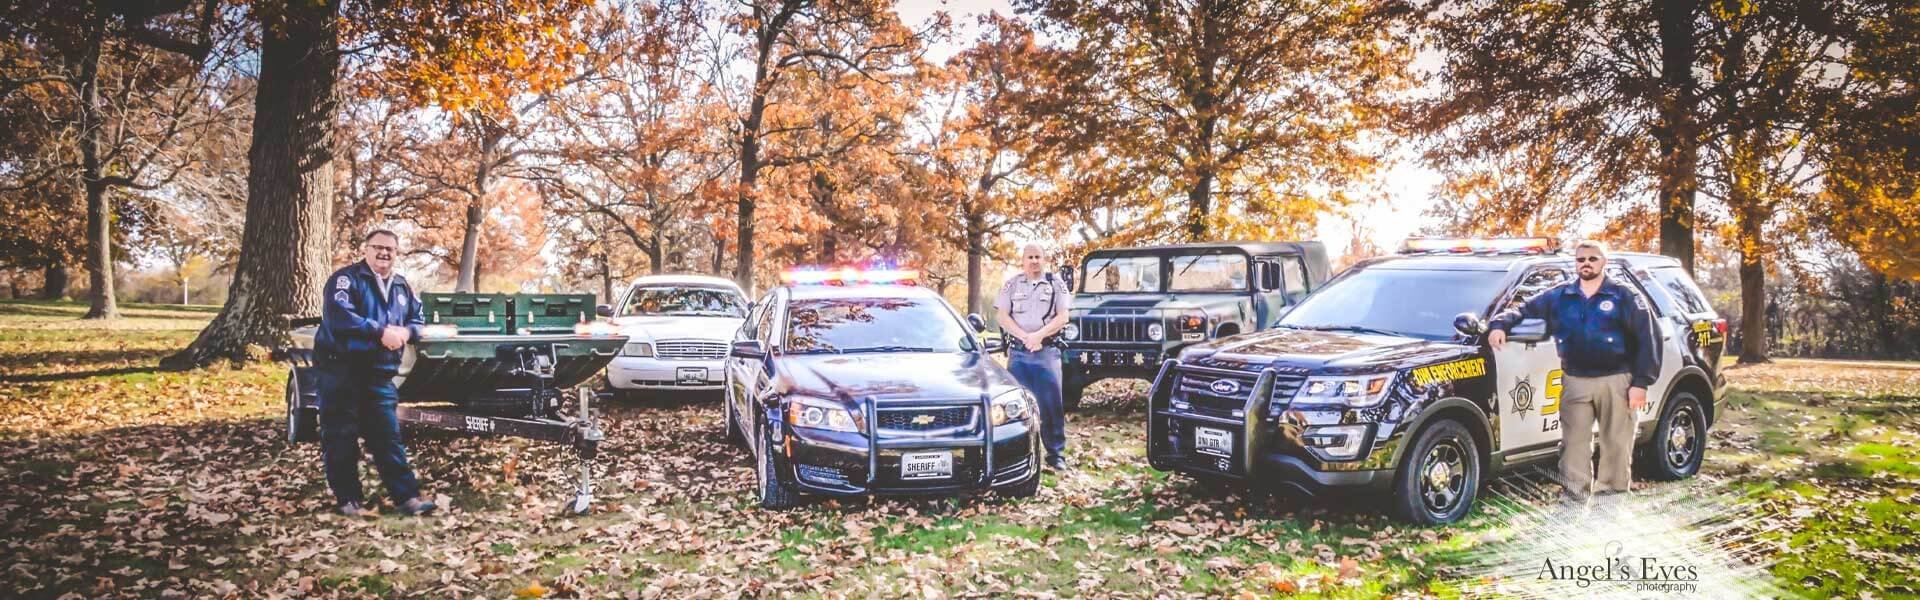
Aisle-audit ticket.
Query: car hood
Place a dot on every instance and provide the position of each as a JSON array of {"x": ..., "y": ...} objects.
[
  {"x": 648, "y": 328},
  {"x": 904, "y": 375},
  {"x": 1325, "y": 352},
  {"x": 1135, "y": 304}
]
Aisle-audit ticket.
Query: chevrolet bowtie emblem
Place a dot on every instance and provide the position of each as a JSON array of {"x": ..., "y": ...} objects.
[{"x": 923, "y": 420}]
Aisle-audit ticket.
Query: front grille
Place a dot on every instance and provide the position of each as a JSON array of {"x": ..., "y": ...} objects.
[
  {"x": 925, "y": 419},
  {"x": 1198, "y": 390},
  {"x": 1123, "y": 328},
  {"x": 690, "y": 350}
]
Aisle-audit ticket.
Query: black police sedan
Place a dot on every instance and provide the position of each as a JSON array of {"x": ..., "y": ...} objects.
[
  {"x": 851, "y": 383},
  {"x": 1383, "y": 381}
]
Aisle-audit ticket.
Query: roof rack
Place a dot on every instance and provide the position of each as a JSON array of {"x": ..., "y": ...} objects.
[{"x": 1519, "y": 245}]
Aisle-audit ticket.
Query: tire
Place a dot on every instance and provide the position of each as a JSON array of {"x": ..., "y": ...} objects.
[
  {"x": 774, "y": 494},
  {"x": 1072, "y": 389},
  {"x": 302, "y": 425},
  {"x": 729, "y": 425},
  {"x": 1679, "y": 444},
  {"x": 1024, "y": 489},
  {"x": 1439, "y": 478}
]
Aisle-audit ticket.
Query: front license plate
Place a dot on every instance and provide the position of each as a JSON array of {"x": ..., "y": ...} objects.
[
  {"x": 691, "y": 374},
  {"x": 926, "y": 465},
  {"x": 1218, "y": 442}
]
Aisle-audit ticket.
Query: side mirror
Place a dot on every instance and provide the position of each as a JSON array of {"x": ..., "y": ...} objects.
[
  {"x": 1469, "y": 324},
  {"x": 603, "y": 310},
  {"x": 979, "y": 324},
  {"x": 750, "y": 349},
  {"x": 993, "y": 344},
  {"x": 1528, "y": 331}
]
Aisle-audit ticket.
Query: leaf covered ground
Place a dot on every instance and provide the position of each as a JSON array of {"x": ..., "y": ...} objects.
[{"x": 121, "y": 480}]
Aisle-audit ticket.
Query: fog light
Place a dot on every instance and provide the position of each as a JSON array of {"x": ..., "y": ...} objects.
[{"x": 1336, "y": 441}]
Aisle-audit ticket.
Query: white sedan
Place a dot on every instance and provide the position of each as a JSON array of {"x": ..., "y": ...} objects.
[{"x": 678, "y": 329}]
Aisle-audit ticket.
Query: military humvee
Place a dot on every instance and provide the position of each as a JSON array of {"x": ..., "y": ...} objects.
[{"x": 1138, "y": 306}]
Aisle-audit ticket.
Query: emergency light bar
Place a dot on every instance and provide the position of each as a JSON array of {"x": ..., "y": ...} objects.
[
  {"x": 1526, "y": 245},
  {"x": 849, "y": 276}
]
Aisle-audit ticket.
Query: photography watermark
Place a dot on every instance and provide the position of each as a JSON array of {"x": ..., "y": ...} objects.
[{"x": 1622, "y": 571}]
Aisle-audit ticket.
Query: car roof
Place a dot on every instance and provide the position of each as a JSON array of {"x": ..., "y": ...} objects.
[
  {"x": 817, "y": 292},
  {"x": 685, "y": 279},
  {"x": 1248, "y": 247},
  {"x": 1503, "y": 262}
]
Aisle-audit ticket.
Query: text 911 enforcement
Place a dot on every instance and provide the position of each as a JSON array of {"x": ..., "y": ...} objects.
[{"x": 1382, "y": 381}]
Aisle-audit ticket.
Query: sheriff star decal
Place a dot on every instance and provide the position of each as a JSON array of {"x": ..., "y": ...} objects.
[{"x": 1522, "y": 395}]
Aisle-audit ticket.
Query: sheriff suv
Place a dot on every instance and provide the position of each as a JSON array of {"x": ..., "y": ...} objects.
[
  {"x": 1137, "y": 306},
  {"x": 847, "y": 383},
  {"x": 1383, "y": 382}
]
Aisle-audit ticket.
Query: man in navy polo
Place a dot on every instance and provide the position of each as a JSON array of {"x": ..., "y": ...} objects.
[
  {"x": 369, "y": 316},
  {"x": 1610, "y": 354}
]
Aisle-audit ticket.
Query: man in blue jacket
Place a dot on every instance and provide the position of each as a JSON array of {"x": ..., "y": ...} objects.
[
  {"x": 1610, "y": 354},
  {"x": 369, "y": 316}
]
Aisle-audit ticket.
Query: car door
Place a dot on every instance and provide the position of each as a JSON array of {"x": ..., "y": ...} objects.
[
  {"x": 739, "y": 379},
  {"x": 1528, "y": 380}
]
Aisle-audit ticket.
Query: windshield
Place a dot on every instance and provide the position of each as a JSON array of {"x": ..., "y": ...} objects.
[
  {"x": 1121, "y": 274},
  {"x": 693, "y": 301},
  {"x": 872, "y": 325},
  {"x": 1209, "y": 273},
  {"x": 1418, "y": 304}
]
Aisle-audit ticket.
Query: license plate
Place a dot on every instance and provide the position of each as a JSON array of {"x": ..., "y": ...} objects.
[
  {"x": 926, "y": 465},
  {"x": 1218, "y": 442},
  {"x": 691, "y": 374}
]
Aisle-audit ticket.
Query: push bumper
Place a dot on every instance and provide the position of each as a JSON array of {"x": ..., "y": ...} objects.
[
  {"x": 1257, "y": 453},
  {"x": 836, "y": 463}
]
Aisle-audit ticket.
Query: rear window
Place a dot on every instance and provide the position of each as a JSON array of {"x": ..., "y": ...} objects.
[{"x": 1681, "y": 287}]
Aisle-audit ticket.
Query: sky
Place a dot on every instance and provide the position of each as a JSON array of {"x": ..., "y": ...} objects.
[{"x": 1408, "y": 185}]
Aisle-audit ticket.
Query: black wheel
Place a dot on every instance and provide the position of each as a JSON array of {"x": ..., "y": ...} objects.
[
  {"x": 1679, "y": 443},
  {"x": 730, "y": 425},
  {"x": 303, "y": 425},
  {"x": 1072, "y": 389},
  {"x": 1440, "y": 476},
  {"x": 774, "y": 493},
  {"x": 1024, "y": 489}
]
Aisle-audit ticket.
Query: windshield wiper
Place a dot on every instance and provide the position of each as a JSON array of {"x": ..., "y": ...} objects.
[
  {"x": 890, "y": 349},
  {"x": 816, "y": 351},
  {"x": 1352, "y": 328}
]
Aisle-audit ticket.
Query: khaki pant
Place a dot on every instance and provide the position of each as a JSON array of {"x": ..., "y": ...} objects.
[{"x": 1584, "y": 401}]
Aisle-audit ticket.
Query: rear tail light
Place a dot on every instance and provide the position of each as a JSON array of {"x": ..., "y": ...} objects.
[{"x": 1720, "y": 326}]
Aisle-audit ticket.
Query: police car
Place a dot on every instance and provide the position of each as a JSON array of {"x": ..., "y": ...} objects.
[
  {"x": 853, "y": 382},
  {"x": 678, "y": 327},
  {"x": 1382, "y": 381}
]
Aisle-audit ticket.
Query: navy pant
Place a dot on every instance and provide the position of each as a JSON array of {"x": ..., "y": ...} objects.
[
  {"x": 357, "y": 402},
  {"x": 1039, "y": 372}
]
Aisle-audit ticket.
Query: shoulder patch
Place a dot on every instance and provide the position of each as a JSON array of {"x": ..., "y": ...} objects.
[
  {"x": 341, "y": 297},
  {"x": 342, "y": 283}
]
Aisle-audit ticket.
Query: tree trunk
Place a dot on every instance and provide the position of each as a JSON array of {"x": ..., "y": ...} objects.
[
  {"x": 470, "y": 249},
  {"x": 1753, "y": 300},
  {"x": 1676, "y": 133},
  {"x": 100, "y": 299},
  {"x": 976, "y": 256},
  {"x": 285, "y": 249},
  {"x": 55, "y": 285},
  {"x": 749, "y": 176},
  {"x": 1199, "y": 203}
]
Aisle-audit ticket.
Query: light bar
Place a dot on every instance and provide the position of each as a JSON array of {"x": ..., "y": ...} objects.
[
  {"x": 1525, "y": 245},
  {"x": 596, "y": 329},
  {"x": 847, "y": 276}
]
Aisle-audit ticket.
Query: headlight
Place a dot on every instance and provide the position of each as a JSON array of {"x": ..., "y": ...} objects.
[
  {"x": 817, "y": 413},
  {"x": 1016, "y": 406},
  {"x": 1357, "y": 392},
  {"x": 1071, "y": 331},
  {"x": 637, "y": 349},
  {"x": 439, "y": 332},
  {"x": 1336, "y": 441},
  {"x": 1155, "y": 332}
]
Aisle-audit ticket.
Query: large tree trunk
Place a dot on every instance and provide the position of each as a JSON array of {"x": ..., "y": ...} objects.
[
  {"x": 284, "y": 250},
  {"x": 749, "y": 176},
  {"x": 1677, "y": 132},
  {"x": 100, "y": 300},
  {"x": 470, "y": 249},
  {"x": 1199, "y": 204},
  {"x": 1753, "y": 302},
  {"x": 976, "y": 257},
  {"x": 54, "y": 287}
]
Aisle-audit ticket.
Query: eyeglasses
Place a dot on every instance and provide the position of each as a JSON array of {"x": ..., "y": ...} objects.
[
  {"x": 1587, "y": 259},
  {"x": 383, "y": 248}
]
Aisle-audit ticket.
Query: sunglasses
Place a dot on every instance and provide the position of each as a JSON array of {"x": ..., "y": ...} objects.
[{"x": 1587, "y": 259}]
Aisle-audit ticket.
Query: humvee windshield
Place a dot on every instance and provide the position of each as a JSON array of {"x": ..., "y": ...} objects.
[
  {"x": 1141, "y": 274},
  {"x": 1410, "y": 303}
]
